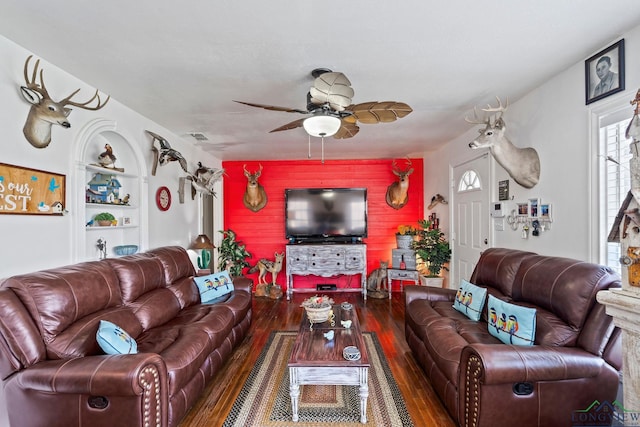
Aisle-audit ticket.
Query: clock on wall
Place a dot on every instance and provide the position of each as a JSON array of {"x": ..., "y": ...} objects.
[{"x": 163, "y": 198}]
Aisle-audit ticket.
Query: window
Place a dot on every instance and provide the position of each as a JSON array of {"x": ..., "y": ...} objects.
[
  {"x": 616, "y": 178},
  {"x": 469, "y": 181}
]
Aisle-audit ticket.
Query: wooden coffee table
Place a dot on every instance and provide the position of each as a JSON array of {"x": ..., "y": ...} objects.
[{"x": 315, "y": 360}]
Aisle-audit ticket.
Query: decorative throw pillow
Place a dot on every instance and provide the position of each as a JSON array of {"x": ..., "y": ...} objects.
[
  {"x": 214, "y": 286},
  {"x": 112, "y": 339},
  {"x": 511, "y": 323},
  {"x": 470, "y": 300}
]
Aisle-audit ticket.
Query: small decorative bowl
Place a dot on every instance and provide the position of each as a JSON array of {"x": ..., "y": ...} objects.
[
  {"x": 351, "y": 353},
  {"x": 346, "y": 306},
  {"x": 125, "y": 250}
]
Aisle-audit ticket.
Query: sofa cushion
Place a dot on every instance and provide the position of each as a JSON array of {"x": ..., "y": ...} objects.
[
  {"x": 563, "y": 286},
  {"x": 497, "y": 268},
  {"x": 470, "y": 300},
  {"x": 58, "y": 297},
  {"x": 175, "y": 261},
  {"x": 214, "y": 286},
  {"x": 511, "y": 323},
  {"x": 115, "y": 340},
  {"x": 79, "y": 339}
]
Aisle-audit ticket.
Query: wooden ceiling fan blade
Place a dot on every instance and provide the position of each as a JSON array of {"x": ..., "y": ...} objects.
[
  {"x": 273, "y": 107},
  {"x": 379, "y": 112},
  {"x": 347, "y": 130},
  {"x": 294, "y": 124}
]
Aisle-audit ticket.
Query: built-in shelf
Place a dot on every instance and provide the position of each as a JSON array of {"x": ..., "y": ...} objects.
[
  {"x": 110, "y": 206},
  {"x": 92, "y": 199},
  {"x": 110, "y": 227}
]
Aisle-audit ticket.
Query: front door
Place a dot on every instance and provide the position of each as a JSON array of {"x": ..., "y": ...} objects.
[{"x": 471, "y": 232}]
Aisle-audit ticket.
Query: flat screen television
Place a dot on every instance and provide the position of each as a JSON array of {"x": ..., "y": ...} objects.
[{"x": 325, "y": 214}]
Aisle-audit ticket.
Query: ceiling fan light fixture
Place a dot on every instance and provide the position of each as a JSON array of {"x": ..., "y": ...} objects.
[{"x": 322, "y": 126}]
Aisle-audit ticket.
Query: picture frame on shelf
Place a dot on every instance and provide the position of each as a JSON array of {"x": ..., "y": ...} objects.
[{"x": 604, "y": 73}]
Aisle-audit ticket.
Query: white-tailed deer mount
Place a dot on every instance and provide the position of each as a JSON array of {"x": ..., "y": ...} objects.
[
  {"x": 44, "y": 111},
  {"x": 397, "y": 195},
  {"x": 522, "y": 164},
  {"x": 255, "y": 198}
]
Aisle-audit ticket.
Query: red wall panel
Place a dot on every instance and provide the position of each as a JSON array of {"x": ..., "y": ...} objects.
[{"x": 263, "y": 232}]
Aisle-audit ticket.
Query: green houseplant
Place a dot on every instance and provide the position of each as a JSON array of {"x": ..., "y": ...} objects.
[
  {"x": 232, "y": 252},
  {"x": 432, "y": 248},
  {"x": 104, "y": 219}
]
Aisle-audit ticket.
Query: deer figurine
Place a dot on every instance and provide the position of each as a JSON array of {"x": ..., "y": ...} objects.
[
  {"x": 397, "y": 195},
  {"x": 522, "y": 164},
  {"x": 46, "y": 112},
  {"x": 255, "y": 198}
]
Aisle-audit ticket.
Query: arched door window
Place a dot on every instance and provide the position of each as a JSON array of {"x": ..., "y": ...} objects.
[{"x": 469, "y": 181}]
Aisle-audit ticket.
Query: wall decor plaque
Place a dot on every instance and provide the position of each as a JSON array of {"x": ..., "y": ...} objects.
[{"x": 25, "y": 191}]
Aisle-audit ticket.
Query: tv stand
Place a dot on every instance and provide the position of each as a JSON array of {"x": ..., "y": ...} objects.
[{"x": 327, "y": 261}]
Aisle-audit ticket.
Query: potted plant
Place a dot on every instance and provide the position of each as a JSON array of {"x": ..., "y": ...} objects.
[
  {"x": 105, "y": 219},
  {"x": 405, "y": 235},
  {"x": 432, "y": 248},
  {"x": 232, "y": 254}
]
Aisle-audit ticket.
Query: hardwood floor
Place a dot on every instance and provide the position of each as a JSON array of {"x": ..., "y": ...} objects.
[{"x": 385, "y": 317}]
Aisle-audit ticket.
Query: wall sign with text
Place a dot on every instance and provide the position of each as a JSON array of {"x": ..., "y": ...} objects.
[{"x": 30, "y": 191}]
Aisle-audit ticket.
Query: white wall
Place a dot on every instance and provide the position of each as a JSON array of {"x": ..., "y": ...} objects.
[
  {"x": 28, "y": 242},
  {"x": 32, "y": 242},
  {"x": 554, "y": 120}
]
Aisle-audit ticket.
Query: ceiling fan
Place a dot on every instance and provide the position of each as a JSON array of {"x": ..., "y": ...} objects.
[{"x": 330, "y": 109}]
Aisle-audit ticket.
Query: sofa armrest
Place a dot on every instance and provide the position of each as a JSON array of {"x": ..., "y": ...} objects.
[
  {"x": 243, "y": 283},
  {"x": 502, "y": 363},
  {"x": 415, "y": 292},
  {"x": 124, "y": 375}
]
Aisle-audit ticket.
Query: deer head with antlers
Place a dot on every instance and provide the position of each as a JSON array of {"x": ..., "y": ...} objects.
[
  {"x": 397, "y": 195},
  {"x": 46, "y": 112},
  {"x": 522, "y": 164},
  {"x": 255, "y": 198}
]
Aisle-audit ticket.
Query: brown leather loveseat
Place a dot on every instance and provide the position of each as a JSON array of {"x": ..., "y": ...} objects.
[
  {"x": 575, "y": 359},
  {"x": 54, "y": 372}
]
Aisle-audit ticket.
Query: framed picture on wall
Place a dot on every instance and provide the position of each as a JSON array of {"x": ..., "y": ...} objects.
[
  {"x": 523, "y": 209},
  {"x": 604, "y": 73},
  {"x": 545, "y": 211},
  {"x": 534, "y": 208}
]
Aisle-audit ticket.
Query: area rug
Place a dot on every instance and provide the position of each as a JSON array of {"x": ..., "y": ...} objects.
[{"x": 264, "y": 399}]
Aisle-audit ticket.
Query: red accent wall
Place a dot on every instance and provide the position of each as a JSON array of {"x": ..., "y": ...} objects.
[{"x": 263, "y": 232}]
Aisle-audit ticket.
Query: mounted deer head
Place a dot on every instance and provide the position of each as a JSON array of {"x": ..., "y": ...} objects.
[
  {"x": 46, "y": 112},
  {"x": 397, "y": 195},
  {"x": 522, "y": 164},
  {"x": 255, "y": 198}
]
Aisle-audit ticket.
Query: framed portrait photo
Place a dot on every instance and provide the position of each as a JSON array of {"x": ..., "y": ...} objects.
[{"x": 604, "y": 73}]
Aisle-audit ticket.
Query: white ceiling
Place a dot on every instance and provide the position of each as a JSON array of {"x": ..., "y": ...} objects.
[{"x": 183, "y": 63}]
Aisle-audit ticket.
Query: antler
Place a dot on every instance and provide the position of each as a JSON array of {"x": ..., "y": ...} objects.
[
  {"x": 476, "y": 120},
  {"x": 31, "y": 83},
  {"x": 499, "y": 109},
  {"x": 42, "y": 90},
  {"x": 396, "y": 169}
]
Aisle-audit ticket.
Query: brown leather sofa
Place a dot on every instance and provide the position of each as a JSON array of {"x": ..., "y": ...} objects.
[
  {"x": 54, "y": 372},
  {"x": 575, "y": 360}
]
